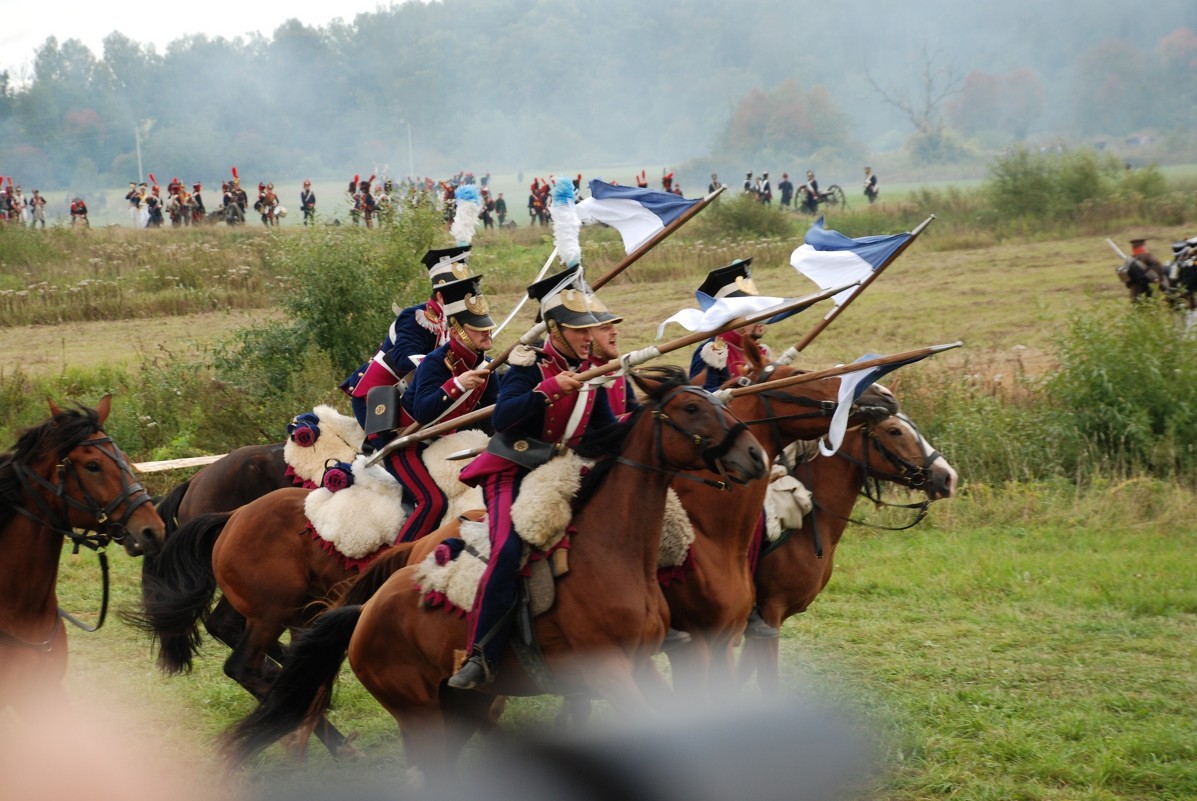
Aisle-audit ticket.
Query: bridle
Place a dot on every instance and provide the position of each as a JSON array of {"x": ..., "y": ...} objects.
[
  {"x": 906, "y": 472},
  {"x": 54, "y": 515},
  {"x": 712, "y": 452}
]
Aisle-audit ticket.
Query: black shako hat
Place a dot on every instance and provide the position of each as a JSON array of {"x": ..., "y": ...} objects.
[
  {"x": 465, "y": 303},
  {"x": 564, "y": 300},
  {"x": 732, "y": 281},
  {"x": 447, "y": 264}
]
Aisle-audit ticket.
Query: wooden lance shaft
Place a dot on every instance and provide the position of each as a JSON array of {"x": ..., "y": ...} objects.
[
  {"x": 832, "y": 372},
  {"x": 629, "y": 360},
  {"x": 837, "y": 310}
]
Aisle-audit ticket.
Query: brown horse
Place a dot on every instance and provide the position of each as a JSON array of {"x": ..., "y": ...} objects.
[
  {"x": 796, "y": 569},
  {"x": 62, "y": 477},
  {"x": 608, "y": 619},
  {"x": 713, "y": 600}
]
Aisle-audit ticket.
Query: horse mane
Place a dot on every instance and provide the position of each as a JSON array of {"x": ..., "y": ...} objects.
[
  {"x": 59, "y": 435},
  {"x": 656, "y": 382}
]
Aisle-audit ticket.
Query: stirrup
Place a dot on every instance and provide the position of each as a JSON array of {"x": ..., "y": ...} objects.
[
  {"x": 758, "y": 629},
  {"x": 473, "y": 673},
  {"x": 674, "y": 638}
]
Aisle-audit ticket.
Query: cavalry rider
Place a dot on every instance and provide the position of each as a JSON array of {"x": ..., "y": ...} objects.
[
  {"x": 621, "y": 397},
  {"x": 732, "y": 354},
  {"x": 450, "y": 381},
  {"x": 539, "y": 408},
  {"x": 416, "y": 331}
]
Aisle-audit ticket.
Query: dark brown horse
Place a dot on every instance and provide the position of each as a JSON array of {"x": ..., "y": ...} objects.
[
  {"x": 713, "y": 600},
  {"x": 795, "y": 570},
  {"x": 597, "y": 639},
  {"x": 67, "y": 479}
]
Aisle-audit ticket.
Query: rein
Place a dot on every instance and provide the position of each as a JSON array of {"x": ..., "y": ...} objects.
[
  {"x": 906, "y": 472},
  {"x": 712, "y": 454},
  {"x": 54, "y": 518}
]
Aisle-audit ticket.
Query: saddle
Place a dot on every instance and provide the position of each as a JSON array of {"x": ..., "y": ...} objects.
[
  {"x": 541, "y": 514},
  {"x": 362, "y": 511}
]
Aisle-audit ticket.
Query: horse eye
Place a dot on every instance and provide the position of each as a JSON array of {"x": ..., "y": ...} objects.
[
  {"x": 895, "y": 432},
  {"x": 691, "y": 408},
  {"x": 92, "y": 467}
]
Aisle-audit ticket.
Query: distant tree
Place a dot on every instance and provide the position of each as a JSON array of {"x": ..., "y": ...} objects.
[
  {"x": 1111, "y": 89},
  {"x": 931, "y": 142},
  {"x": 1004, "y": 103},
  {"x": 787, "y": 120},
  {"x": 1176, "y": 56}
]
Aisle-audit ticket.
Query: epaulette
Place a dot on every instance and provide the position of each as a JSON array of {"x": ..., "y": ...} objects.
[
  {"x": 714, "y": 354},
  {"x": 523, "y": 356},
  {"x": 427, "y": 322}
]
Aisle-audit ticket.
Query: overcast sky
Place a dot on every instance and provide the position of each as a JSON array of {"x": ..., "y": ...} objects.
[{"x": 26, "y": 24}]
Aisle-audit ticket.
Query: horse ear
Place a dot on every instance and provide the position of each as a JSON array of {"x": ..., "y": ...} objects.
[
  {"x": 103, "y": 407},
  {"x": 54, "y": 410}
]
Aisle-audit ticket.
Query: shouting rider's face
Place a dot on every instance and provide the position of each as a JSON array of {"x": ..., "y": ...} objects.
[{"x": 604, "y": 341}]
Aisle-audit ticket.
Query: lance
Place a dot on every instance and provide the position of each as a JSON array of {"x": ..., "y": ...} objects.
[
  {"x": 537, "y": 331},
  {"x": 627, "y": 361},
  {"x": 791, "y": 353},
  {"x": 657, "y": 238},
  {"x": 832, "y": 372},
  {"x": 1117, "y": 249}
]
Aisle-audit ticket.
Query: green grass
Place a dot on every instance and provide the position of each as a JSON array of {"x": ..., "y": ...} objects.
[{"x": 990, "y": 661}]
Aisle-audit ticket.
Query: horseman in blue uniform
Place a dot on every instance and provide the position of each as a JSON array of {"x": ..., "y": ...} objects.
[
  {"x": 542, "y": 406},
  {"x": 415, "y": 332},
  {"x": 732, "y": 354},
  {"x": 451, "y": 381},
  {"x": 621, "y": 396}
]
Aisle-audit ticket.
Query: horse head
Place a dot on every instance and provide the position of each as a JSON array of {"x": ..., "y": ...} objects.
[
  {"x": 893, "y": 449},
  {"x": 803, "y": 411},
  {"x": 696, "y": 431},
  {"x": 94, "y": 482}
]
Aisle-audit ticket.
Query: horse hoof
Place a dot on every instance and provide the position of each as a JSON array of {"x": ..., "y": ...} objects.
[{"x": 347, "y": 750}]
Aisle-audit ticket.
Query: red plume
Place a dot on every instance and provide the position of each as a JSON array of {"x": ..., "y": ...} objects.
[
  {"x": 153, "y": 180},
  {"x": 356, "y": 178},
  {"x": 235, "y": 175}
]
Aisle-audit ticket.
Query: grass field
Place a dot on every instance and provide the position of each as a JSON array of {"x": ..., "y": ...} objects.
[{"x": 1026, "y": 642}]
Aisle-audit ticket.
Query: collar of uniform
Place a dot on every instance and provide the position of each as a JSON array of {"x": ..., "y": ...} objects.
[
  {"x": 733, "y": 338},
  {"x": 463, "y": 356},
  {"x": 559, "y": 359}
]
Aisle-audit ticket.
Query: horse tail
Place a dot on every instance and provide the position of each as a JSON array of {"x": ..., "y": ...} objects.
[
  {"x": 302, "y": 690},
  {"x": 168, "y": 507},
  {"x": 177, "y": 587}
]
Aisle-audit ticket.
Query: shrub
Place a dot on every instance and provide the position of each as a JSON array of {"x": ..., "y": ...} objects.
[
  {"x": 741, "y": 217},
  {"x": 1127, "y": 387},
  {"x": 1054, "y": 185}
]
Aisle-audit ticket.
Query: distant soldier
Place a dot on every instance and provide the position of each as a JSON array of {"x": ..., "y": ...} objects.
[
  {"x": 871, "y": 189},
  {"x": 307, "y": 202}
]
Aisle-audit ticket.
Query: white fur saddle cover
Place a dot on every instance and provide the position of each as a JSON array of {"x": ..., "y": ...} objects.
[
  {"x": 364, "y": 517},
  {"x": 541, "y": 515},
  {"x": 340, "y": 440},
  {"x": 786, "y": 503}
]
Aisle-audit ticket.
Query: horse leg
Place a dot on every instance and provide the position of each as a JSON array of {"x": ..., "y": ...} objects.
[
  {"x": 690, "y": 665},
  {"x": 574, "y": 713},
  {"x": 465, "y": 712}
]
